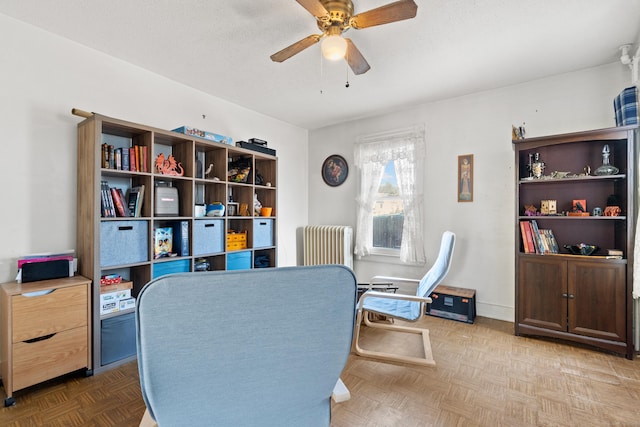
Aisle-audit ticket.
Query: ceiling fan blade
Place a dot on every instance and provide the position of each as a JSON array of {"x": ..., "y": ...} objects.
[
  {"x": 295, "y": 48},
  {"x": 314, "y": 7},
  {"x": 392, "y": 12},
  {"x": 356, "y": 61}
]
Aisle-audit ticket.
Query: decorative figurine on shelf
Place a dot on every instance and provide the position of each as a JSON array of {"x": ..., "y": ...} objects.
[
  {"x": 168, "y": 166},
  {"x": 612, "y": 211},
  {"x": 548, "y": 207},
  {"x": 578, "y": 208},
  {"x": 530, "y": 210},
  {"x": 537, "y": 167},
  {"x": 613, "y": 206},
  {"x": 518, "y": 132},
  {"x": 606, "y": 168},
  {"x": 530, "y": 165},
  {"x": 257, "y": 206}
]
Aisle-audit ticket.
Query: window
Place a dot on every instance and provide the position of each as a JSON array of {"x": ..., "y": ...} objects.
[
  {"x": 388, "y": 214},
  {"x": 390, "y": 200}
]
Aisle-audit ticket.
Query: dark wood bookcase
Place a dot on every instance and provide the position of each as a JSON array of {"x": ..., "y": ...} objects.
[{"x": 585, "y": 299}]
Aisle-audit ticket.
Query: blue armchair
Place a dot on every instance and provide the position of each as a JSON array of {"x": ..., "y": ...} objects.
[
  {"x": 245, "y": 348},
  {"x": 409, "y": 308}
]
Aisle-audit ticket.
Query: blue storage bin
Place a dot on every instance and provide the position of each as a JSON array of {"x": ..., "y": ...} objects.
[
  {"x": 240, "y": 260},
  {"x": 123, "y": 242},
  {"x": 263, "y": 232},
  {"x": 168, "y": 267},
  {"x": 118, "y": 338},
  {"x": 208, "y": 236}
]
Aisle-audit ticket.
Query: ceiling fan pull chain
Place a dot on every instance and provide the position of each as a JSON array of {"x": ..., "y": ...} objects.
[
  {"x": 321, "y": 74},
  {"x": 346, "y": 63}
]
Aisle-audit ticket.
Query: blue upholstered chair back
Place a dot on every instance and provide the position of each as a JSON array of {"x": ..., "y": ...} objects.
[
  {"x": 440, "y": 268},
  {"x": 245, "y": 348}
]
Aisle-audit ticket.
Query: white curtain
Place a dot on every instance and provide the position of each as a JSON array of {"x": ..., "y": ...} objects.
[{"x": 406, "y": 148}]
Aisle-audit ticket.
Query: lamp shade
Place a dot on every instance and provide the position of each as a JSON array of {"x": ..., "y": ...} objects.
[{"x": 334, "y": 47}]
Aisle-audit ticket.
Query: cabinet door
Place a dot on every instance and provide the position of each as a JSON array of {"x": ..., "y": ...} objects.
[
  {"x": 542, "y": 283},
  {"x": 597, "y": 295}
]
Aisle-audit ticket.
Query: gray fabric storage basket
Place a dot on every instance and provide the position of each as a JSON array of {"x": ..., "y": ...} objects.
[
  {"x": 208, "y": 236},
  {"x": 123, "y": 242},
  {"x": 118, "y": 338},
  {"x": 262, "y": 232}
]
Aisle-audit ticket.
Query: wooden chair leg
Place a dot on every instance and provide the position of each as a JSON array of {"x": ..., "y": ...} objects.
[{"x": 427, "y": 360}]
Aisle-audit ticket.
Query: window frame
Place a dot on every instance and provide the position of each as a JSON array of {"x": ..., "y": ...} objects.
[{"x": 372, "y": 153}]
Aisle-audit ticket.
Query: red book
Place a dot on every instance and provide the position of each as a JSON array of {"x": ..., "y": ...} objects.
[
  {"x": 523, "y": 233},
  {"x": 118, "y": 202},
  {"x": 529, "y": 236},
  {"x": 132, "y": 160},
  {"x": 138, "y": 154}
]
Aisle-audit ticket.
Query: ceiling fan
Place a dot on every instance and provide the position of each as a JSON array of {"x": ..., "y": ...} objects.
[{"x": 334, "y": 18}]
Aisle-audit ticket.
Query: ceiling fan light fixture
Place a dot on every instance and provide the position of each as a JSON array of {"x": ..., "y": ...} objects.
[{"x": 333, "y": 47}]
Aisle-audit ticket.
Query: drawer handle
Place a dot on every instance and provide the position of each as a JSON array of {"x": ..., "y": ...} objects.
[
  {"x": 37, "y": 293},
  {"x": 125, "y": 227},
  {"x": 46, "y": 337},
  {"x": 209, "y": 225},
  {"x": 263, "y": 223}
]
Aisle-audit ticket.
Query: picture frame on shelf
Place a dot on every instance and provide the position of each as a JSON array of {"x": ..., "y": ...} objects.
[
  {"x": 465, "y": 178},
  {"x": 232, "y": 209}
]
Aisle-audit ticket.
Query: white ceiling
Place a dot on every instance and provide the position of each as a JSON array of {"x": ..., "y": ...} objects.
[{"x": 451, "y": 48}]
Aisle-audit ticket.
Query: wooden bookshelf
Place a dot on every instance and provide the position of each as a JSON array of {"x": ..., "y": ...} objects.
[
  {"x": 124, "y": 245},
  {"x": 586, "y": 299}
]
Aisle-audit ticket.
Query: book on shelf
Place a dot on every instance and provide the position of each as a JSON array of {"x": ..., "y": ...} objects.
[
  {"x": 105, "y": 155},
  {"x": 125, "y": 159},
  {"x": 547, "y": 241},
  {"x": 181, "y": 237},
  {"x": 118, "y": 202},
  {"x": 527, "y": 238},
  {"x": 135, "y": 200},
  {"x": 163, "y": 242},
  {"x": 144, "y": 161},
  {"x": 112, "y": 157},
  {"x": 537, "y": 240},
  {"x": 137, "y": 153},
  {"x": 124, "y": 201},
  {"x": 132, "y": 159},
  {"x": 553, "y": 243},
  {"x": 118, "y": 158},
  {"x": 108, "y": 209}
]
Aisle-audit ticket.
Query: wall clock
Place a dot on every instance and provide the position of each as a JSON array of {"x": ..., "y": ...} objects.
[{"x": 335, "y": 170}]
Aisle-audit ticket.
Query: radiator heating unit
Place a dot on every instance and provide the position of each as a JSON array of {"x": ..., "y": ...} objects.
[{"x": 328, "y": 244}]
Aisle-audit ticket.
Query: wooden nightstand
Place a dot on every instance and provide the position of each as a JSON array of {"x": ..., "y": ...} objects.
[{"x": 46, "y": 331}]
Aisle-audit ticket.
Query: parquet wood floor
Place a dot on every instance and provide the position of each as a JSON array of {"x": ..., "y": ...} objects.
[{"x": 485, "y": 376}]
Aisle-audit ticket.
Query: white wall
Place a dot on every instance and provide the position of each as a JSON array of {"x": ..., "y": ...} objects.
[
  {"x": 44, "y": 76},
  {"x": 478, "y": 124}
]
